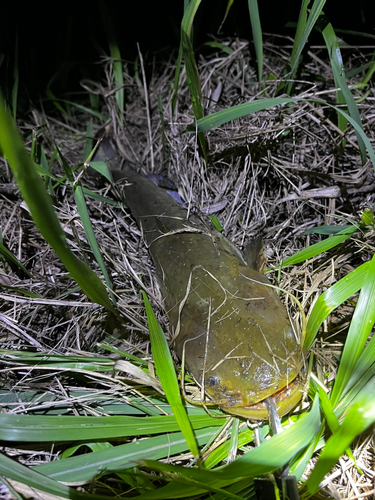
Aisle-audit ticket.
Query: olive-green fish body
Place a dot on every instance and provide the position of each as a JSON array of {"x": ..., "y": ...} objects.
[{"x": 231, "y": 327}]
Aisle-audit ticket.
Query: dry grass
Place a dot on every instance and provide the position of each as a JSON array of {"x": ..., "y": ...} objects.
[{"x": 274, "y": 174}]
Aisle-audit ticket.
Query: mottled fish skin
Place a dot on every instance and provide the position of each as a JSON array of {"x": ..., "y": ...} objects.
[{"x": 233, "y": 329}]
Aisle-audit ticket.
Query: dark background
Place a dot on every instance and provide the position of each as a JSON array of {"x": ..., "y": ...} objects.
[{"x": 67, "y": 36}]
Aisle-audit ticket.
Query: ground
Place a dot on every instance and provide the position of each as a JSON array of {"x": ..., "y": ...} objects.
[{"x": 275, "y": 174}]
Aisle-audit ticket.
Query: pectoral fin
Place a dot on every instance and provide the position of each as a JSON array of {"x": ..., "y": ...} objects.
[{"x": 254, "y": 254}]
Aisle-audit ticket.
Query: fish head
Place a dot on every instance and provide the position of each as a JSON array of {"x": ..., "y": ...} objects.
[{"x": 250, "y": 349}]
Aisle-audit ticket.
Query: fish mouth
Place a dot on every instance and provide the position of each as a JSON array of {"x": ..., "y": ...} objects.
[{"x": 285, "y": 400}]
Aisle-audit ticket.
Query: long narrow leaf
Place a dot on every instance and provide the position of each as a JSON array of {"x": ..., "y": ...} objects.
[
  {"x": 364, "y": 367},
  {"x": 360, "y": 328},
  {"x": 15, "y": 80},
  {"x": 270, "y": 455},
  {"x": 56, "y": 101},
  {"x": 300, "y": 41},
  {"x": 332, "y": 298},
  {"x": 30, "y": 428},
  {"x": 40, "y": 206},
  {"x": 167, "y": 375},
  {"x": 119, "y": 458},
  {"x": 360, "y": 416},
  {"x": 115, "y": 55},
  {"x": 189, "y": 15},
  {"x": 318, "y": 248},
  {"x": 257, "y": 34},
  {"x": 361, "y": 376},
  {"x": 13, "y": 470},
  {"x": 12, "y": 259},
  {"x": 101, "y": 199},
  {"x": 118, "y": 76},
  {"x": 227, "y": 115},
  {"x": 192, "y": 76},
  {"x": 89, "y": 231},
  {"x": 339, "y": 75}
]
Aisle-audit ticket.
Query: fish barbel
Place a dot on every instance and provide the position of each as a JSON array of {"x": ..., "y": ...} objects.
[{"x": 231, "y": 328}]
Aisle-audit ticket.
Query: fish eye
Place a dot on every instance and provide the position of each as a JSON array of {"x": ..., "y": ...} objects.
[{"x": 214, "y": 381}]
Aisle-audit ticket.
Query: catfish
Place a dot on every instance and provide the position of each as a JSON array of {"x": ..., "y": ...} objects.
[{"x": 227, "y": 323}]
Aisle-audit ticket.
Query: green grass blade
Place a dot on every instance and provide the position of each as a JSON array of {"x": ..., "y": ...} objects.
[
  {"x": 34, "y": 428},
  {"x": 328, "y": 411},
  {"x": 233, "y": 444},
  {"x": 92, "y": 446},
  {"x": 47, "y": 174},
  {"x": 229, "y": 114},
  {"x": 257, "y": 35},
  {"x": 366, "y": 79},
  {"x": 192, "y": 76},
  {"x": 297, "y": 465},
  {"x": 40, "y": 170},
  {"x": 91, "y": 112},
  {"x": 58, "y": 360},
  {"x": 116, "y": 57},
  {"x": 326, "y": 406},
  {"x": 304, "y": 28},
  {"x": 327, "y": 229},
  {"x": 226, "y": 115},
  {"x": 121, "y": 457},
  {"x": 318, "y": 248},
  {"x": 118, "y": 76},
  {"x": 270, "y": 455},
  {"x": 89, "y": 140},
  {"x": 13, "y": 470},
  {"x": 101, "y": 199},
  {"x": 90, "y": 235},
  {"x": 102, "y": 168},
  {"x": 86, "y": 221},
  {"x": 363, "y": 371},
  {"x": 218, "y": 45},
  {"x": 360, "y": 416},
  {"x": 359, "y": 330},
  {"x": 279, "y": 449},
  {"x": 55, "y": 101},
  {"x": 41, "y": 208},
  {"x": 15, "y": 80},
  {"x": 124, "y": 354},
  {"x": 332, "y": 298},
  {"x": 189, "y": 15},
  {"x": 244, "y": 437},
  {"x": 183, "y": 487},
  {"x": 27, "y": 293},
  {"x": 9, "y": 257},
  {"x": 336, "y": 62},
  {"x": 228, "y": 7},
  {"x": 167, "y": 375},
  {"x": 298, "y": 37},
  {"x": 216, "y": 223},
  {"x": 344, "y": 95}
]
